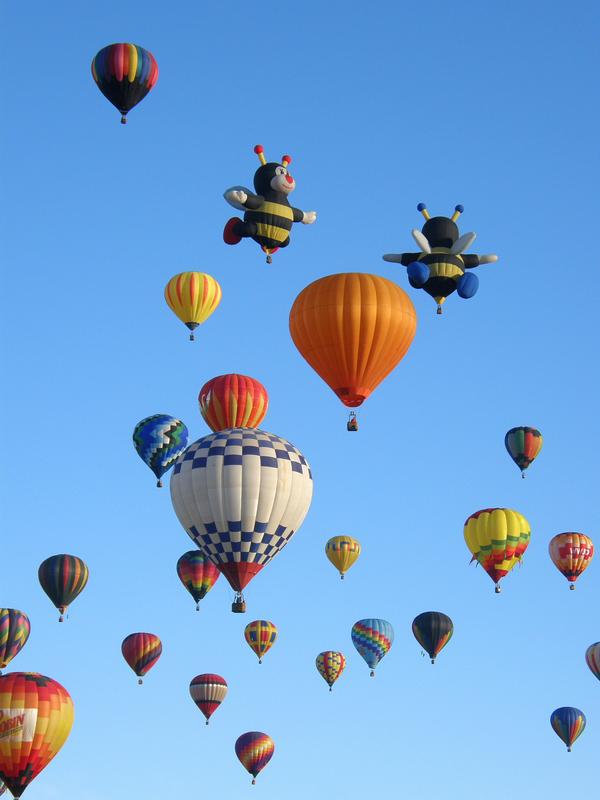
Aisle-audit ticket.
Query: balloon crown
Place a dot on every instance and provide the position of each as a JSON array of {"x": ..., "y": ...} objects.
[{"x": 260, "y": 152}]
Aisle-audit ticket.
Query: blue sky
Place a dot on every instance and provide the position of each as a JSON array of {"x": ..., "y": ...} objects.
[{"x": 381, "y": 107}]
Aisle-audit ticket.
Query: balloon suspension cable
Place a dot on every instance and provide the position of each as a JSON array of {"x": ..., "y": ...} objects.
[
  {"x": 497, "y": 589},
  {"x": 192, "y": 338},
  {"x": 159, "y": 484},
  {"x": 123, "y": 119},
  {"x": 372, "y": 673},
  {"x": 140, "y": 681}
]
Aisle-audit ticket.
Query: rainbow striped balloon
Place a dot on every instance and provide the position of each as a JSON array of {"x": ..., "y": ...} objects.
[
  {"x": 141, "y": 651},
  {"x": 14, "y": 632},
  {"x": 254, "y": 749},
  {"x": 124, "y": 73},
  {"x": 233, "y": 401},
  {"x": 197, "y": 573},
  {"x": 63, "y": 578},
  {"x": 330, "y": 664},
  {"x": 568, "y": 723},
  {"x": 373, "y": 639}
]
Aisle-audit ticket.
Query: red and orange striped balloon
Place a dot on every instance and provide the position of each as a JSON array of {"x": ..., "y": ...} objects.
[
  {"x": 571, "y": 554},
  {"x": 233, "y": 401},
  {"x": 254, "y": 749},
  {"x": 36, "y": 716},
  {"x": 141, "y": 651}
]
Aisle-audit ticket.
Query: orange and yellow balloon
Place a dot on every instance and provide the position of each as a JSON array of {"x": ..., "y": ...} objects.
[
  {"x": 497, "y": 539},
  {"x": 233, "y": 401},
  {"x": 571, "y": 554},
  {"x": 36, "y": 716},
  {"x": 193, "y": 296},
  {"x": 260, "y": 636},
  {"x": 342, "y": 551},
  {"x": 330, "y": 664},
  {"x": 353, "y": 329}
]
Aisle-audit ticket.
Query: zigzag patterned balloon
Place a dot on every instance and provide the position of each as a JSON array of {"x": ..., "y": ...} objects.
[
  {"x": 373, "y": 639},
  {"x": 14, "y": 632},
  {"x": 159, "y": 441}
]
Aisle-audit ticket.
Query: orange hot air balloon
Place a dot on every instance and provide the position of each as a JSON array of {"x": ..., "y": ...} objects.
[
  {"x": 571, "y": 554},
  {"x": 36, "y": 716},
  {"x": 233, "y": 401},
  {"x": 353, "y": 329}
]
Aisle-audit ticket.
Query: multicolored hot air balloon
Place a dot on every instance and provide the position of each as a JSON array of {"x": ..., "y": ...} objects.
[
  {"x": 14, "y": 632},
  {"x": 63, "y": 578},
  {"x": 523, "y": 445},
  {"x": 268, "y": 216},
  {"x": 124, "y": 73},
  {"x": 36, "y": 719},
  {"x": 330, "y": 664},
  {"x": 571, "y": 554},
  {"x": 141, "y": 651},
  {"x": 254, "y": 750},
  {"x": 197, "y": 573},
  {"x": 592, "y": 659},
  {"x": 241, "y": 494},
  {"x": 373, "y": 639},
  {"x": 159, "y": 441},
  {"x": 343, "y": 552},
  {"x": 440, "y": 266},
  {"x": 353, "y": 329},
  {"x": 497, "y": 539},
  {"x": 233, "y": 401},
  {"x": 260, "y": 635},
  {"x": 208, "y": 692},
  {"x": 193, "y": 296},
  {"x": 432, "y": 630},
  {"x": 568, "y": 724}
]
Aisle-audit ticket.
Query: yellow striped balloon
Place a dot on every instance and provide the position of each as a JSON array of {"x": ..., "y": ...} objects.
[
  {"x": 193, "y": 296},
  {"x": 343, "y": 552},
  {"x": 497, "y": 539},
  {"x": 260, "y": 635},
  {"x": 330, "y": 664}
]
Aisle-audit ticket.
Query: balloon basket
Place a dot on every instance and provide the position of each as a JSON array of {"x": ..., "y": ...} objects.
[
  {"x": 372, "y": 673},
  {"x": 238, "y": 606},
  {"x": 123, "y": 119},
  {"x": 572, "y": 587},
  {"x": 140, "y": 681}
]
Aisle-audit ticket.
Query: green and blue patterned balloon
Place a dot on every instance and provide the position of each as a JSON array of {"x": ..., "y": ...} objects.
[{"x": 159, "y": 441}]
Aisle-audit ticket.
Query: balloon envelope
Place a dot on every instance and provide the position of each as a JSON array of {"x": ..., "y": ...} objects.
[
  {"x": 330, "y": 665},
  {"x": 63, "y": 578},
  {"x": 241, "y": 494},
  {"x": 193, "y": 296},
  {"x": 254, "y": 749},
  {"x": 373, "y": 639},
  {"x": 37, "y": 716},
  {"x": 571, "y": 554},
  {"x": 523, "y": 445},
  {"x": 159, "y": 441},
  {"x": 141, "y": 651},
  {"x": 592, "y": 659},
  {"x": 208, "y": 692},
  {"x": 14, "y": 632},
  {"x": 124, "y": 73},
  {"x": 432, "y": 630},
  {"x": 233, "y": 401},
  {"x": 568, "y": 723},
  {"x": 353, "y": 329},
  {"x": 197, "y": 573},
  {"x": 342, "y": 551},
  {"x": 497, "y": 539},
  {"x": 260, "y": 636}
]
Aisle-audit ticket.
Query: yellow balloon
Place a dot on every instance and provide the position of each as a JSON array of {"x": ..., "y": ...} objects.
[
  {"x": 497, "y": 538},
  {"x": 343, "y": 552},
  {"x": 193, "y": 296}
]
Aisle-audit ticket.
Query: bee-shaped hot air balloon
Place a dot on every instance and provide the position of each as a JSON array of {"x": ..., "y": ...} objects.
[
  {"x": 268, "y": 216},
  {"x": 439, "y": 267}
]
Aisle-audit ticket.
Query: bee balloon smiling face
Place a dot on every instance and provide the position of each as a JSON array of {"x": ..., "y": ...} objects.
[{"x": 274, "y": 177}]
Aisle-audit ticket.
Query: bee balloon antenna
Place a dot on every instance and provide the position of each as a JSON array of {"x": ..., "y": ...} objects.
[
  {"x": 458, "y": 210},
  {"x": 260, "y": 152},
  {"x": 423, "y": 209}
]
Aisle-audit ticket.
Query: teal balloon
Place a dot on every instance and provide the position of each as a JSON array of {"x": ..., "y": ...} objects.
[{"x": 159, "y": 441}]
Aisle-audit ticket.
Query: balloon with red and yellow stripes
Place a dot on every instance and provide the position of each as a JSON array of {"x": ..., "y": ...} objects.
[
  {"x": 571, "y": 554},
  {"x": 260, "y": 635},
  {"x": 14, "y": 632},
  {"x": 141, "y": 651},
  {"x": 197, "y": 573},
  {"x": 330, "y": 664},
  {"x": 208, "y": 692},
  {"x": 254, "y": 749},
  {"x": 193, "y": 296},
  {"x": 36, "y": 716},
  {"x": 233, "y": 401},
  {"x": 124, "y": 73}
]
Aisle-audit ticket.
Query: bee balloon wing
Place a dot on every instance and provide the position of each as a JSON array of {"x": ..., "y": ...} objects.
[
  {"x": 396, "y": 258},
  {"x": 461, "y": 244},
  {"x": 228, "y": 195},
  {"x": 421, "y": 241}
]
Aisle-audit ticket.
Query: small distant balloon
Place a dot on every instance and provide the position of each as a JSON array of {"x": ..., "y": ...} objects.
[
  {"x": 254, "y": 749},
  {"x": 330, "y": 665},
  {"x": 432, "y": 630},
  {"x": 260, "y": 636},
  {"x": 124, "y": 73},
  {"x": 159, "y": 441},
  {"x": 197, "y": 573},
  {"x": 571, "y": 554},
  {"x": 208, "y": 692},
  {"x": 592, "y": 659},
  {"x": 141, "y": 651},
  {"x": 523, "y": 445},
  {"x": 193, "y": 296},
  {"x": 342, "y": 551},
  {"x": 373, "y": 639},
  {"x": 63, "y": 578},
  {"x": 568, "y": 723},
  {"x": 14, "y": 632}
]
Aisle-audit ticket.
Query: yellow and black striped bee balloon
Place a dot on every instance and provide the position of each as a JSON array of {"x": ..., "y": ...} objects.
[
  {"x": 268, "y": 215},
  {"x": 440, "y": 266}
]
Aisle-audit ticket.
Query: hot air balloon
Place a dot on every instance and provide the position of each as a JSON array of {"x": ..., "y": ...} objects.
[
  {"x": 268, "y": 216},
  {"x": 159, "y": 441},
  {"x": 568, "y": 724},
  {"x": 439, "y": 266},
  {"x": 35, "y": 721},
  {"x": 254, "y": 750},
  {"x": 124, "y": 73},
  {"x": 241, "y": 494},
  {"x": 571, "y": 554},
  {"x": 14, "y": 632},
  {"x": 373, "y": 639},
  {"x": 208, "y": 692},
  {"x": 592, "y": 659},
  {"x": 353, "y": 329},
  {"x": 497, "y": 538},
  {"x": 343, "y": 552},
  {"x": 330, "y": 664},
  {"x": 523, "y": 445},
  {"x": 197, "y": 573},
  {"x": 63, "y": 578},
  {"x": 141, "y": 651},
  {"x": 193, "y": 296},
  {"x": 233, "y": 401},
  {"x": 260, "y": 635},
  {"x": 432, "y": 630}
]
